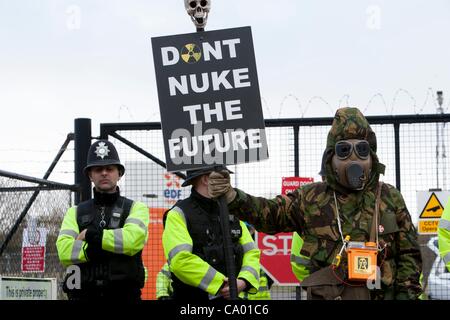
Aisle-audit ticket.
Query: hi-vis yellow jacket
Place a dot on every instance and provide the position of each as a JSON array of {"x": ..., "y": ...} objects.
[
  {"x": 263, "y": 291},
  {"x": 194, "y": 271},
  {"x": 164, "y": 283},
  {"x": 128, "y": 240},
  {"x": 444, "y": 236},
  {"x": 299, "y": 263}
]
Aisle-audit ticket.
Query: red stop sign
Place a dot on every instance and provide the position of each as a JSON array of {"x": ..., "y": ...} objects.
[
  {"x": 276, "y": 249},
  {"x": 275, "y": 256}
]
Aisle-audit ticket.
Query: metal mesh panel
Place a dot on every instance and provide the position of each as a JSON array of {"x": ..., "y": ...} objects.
[
  {"x": 385, "y": 151},
  {"x": 44, "y": 216},
  {"x": 264, "y": 178},
  {"x": 419, "y": 173},
  {"x": 312, "y": 143}
]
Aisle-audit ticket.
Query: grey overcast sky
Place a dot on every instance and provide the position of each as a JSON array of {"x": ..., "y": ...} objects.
[{"x": 60, "y": 60}]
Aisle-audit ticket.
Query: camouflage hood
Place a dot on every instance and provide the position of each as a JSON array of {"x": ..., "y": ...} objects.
[{"x": 350, "y": 123}]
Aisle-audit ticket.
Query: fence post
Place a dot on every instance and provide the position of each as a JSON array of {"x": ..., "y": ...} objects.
[
  {"x": 296, "y": 152},
  {"x": 397, "y": 155},
  {"x": 82, "y": 144}
]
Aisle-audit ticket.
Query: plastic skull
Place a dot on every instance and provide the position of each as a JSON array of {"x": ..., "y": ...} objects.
[{"x": 198, "y": 10}]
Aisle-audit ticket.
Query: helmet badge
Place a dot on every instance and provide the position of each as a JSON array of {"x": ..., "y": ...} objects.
[{"x": 102, "y": 150}]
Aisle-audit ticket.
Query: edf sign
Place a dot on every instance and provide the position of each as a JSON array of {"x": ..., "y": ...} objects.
[{"x": 209, "y": 99}]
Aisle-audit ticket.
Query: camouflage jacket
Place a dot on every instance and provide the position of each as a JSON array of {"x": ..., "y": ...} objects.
[{"x": 311, "y": 211}]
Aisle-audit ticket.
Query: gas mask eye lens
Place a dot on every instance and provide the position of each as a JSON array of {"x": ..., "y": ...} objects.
[
  {"x": 362, "y": 149},
  {"x": 343, "y": 149}
]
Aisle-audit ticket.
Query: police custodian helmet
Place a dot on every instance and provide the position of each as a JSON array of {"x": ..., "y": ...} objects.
[
  {"x": 103, "y": 153},
  {"x": 192, "y": 174}
]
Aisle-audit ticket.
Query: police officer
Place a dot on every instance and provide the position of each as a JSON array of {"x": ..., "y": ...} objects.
[
  {"x": 351, "y": 202},
  {"x": 444, "y": 236},
  {"x": 300, "y": 264},
  {"x": 101, "y": 239},
  {"x": 265, "y": 282},
  {"x": 193, "y": 245}
]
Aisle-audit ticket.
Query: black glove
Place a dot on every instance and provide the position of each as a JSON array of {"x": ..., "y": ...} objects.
[
  {"x": 165, "y": 298},
  {"x": 94, "y": 249}
]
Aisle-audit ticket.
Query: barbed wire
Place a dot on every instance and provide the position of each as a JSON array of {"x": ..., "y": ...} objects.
[
  {"x": 31, "y": 161},
  {"x": 395, "y": 99},
  {"x": 299, "y": 105},
  {"x": 372, "y": 98},
  {"x": 153, "y": 117},
  {"x": 344, "y": 96},
  {"x": 344, "y": 101},
  {"x": 320, "y": 99},
  {"x": 266, "y": 107},
  {"x": 32, "y": 150},
  {"x": 124, "y": 107},
  {"x": 426, "y": 99}
]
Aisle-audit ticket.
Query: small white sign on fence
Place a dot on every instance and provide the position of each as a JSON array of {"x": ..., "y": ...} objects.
[{"x": 16, "y": 288}]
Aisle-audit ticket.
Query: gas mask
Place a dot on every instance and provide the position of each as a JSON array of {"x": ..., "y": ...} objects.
[
  {"x": 352, "y": 163},
  {"x": 198, "y": 10}
]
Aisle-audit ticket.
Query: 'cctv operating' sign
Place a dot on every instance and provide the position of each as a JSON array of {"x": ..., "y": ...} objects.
[{"x": 209, "y": 99}]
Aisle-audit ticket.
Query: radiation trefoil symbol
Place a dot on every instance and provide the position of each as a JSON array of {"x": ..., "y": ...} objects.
[
  {"x": 102, "y": 150},
  {"x": 191, "y": 53}
]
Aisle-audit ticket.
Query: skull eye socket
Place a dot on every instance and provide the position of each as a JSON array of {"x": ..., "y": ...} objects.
[
  {"x": 203, "y": 3},
  {"x": 192, "y": 4}
]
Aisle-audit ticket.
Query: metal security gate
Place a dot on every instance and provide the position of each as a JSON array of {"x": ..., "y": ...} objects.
[{"x": 406, "y": 145}]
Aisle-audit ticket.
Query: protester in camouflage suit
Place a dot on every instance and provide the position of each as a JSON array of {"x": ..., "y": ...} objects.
[{"x": 311, "y": 211}]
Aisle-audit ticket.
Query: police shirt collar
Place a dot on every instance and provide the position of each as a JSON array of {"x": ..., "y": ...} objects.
[
  {"x": 106, "y": 199},
  {"x": 206, "y": 203}
]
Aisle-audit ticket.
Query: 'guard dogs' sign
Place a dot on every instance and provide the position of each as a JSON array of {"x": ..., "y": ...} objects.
[{"x": 209, "y": 99}]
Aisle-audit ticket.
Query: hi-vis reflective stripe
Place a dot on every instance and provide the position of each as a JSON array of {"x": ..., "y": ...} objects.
[
  {"x": 177, "y": 249},
  {"x": 118, "y": 241},
  {"x": 166, "y": 273},
  {"x": 68, "y": 232},
  {"x": 248, "y": 246},
  {"x": 177, "y": 209},
  {"x": 76, "y": 249},
  {"x": 446, "y": 258},
  {"x": 444, "y": 224},
  {"x": 264, "y": 288},
  {"x": 300, "y": 260},
  {"x": 207, "y": 279},
  {"x": 138, "y": 222},
  {"x": 251, "y": 270}
]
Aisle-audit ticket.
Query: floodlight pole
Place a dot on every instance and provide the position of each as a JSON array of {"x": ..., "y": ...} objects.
[{"x": 440, "y": 142}]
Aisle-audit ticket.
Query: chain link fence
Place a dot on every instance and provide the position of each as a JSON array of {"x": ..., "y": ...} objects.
[
  {"x": 31, "y": 216},
  {"x": 406, "y": 144}
]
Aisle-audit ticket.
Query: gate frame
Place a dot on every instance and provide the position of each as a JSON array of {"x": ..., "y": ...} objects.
[{"x": 110, "y": 129}]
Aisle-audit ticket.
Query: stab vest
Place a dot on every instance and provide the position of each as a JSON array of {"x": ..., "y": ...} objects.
[
  {"x": 109, "y": 268},
  {"x": 206, "y": 233}
]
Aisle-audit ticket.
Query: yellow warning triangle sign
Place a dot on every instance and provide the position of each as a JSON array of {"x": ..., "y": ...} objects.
[{"x": 433, "y": 208}]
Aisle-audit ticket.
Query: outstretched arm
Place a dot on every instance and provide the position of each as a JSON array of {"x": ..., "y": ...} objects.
[{"x": 281, "y": 214}]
